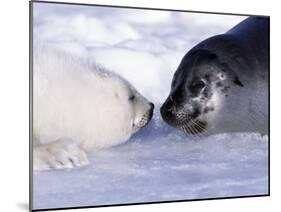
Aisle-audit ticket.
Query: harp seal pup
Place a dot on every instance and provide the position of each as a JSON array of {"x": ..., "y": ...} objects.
[
  {"x": 221, "y": 85},
  {"x": 79, "y": 107}
]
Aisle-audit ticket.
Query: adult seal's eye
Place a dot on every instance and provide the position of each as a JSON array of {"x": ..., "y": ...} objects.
[{"x": 198, "y": 84}]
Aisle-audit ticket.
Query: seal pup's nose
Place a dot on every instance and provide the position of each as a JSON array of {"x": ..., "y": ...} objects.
[
  {"x": 150, "y": 111},
  {"x": 151, "y": 106}
]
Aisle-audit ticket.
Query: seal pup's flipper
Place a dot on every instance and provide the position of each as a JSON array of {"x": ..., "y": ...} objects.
[{"x": 60, "y": 154}]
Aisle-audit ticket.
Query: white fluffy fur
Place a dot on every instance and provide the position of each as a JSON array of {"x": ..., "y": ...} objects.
[{"x": 78, "y": 107}]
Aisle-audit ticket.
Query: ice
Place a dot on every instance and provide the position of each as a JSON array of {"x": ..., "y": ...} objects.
[
  {"x": 161, "y": 164},
  {"x": 158, "y": 163}
]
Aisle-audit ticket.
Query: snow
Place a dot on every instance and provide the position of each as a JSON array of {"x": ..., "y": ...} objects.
[{"x": 158, "y": 163}]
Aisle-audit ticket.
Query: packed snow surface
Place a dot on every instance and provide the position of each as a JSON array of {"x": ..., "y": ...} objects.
[{"x": 158, "y": 163}]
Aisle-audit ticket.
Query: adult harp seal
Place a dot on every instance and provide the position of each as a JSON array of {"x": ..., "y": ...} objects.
[{"x": 221, "y": 85}]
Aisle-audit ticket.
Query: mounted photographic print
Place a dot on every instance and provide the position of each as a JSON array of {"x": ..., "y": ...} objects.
[{"x": 140, "y": 105}]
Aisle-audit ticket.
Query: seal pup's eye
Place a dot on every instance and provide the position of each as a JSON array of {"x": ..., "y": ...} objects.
[{"x": 132, "y": 98}]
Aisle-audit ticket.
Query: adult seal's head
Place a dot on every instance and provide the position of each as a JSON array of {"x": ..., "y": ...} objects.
[{"x": 221, "y": 85}]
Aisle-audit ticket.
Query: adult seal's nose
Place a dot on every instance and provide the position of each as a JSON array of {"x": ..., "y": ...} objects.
[{"x": 165, "y": 112}]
